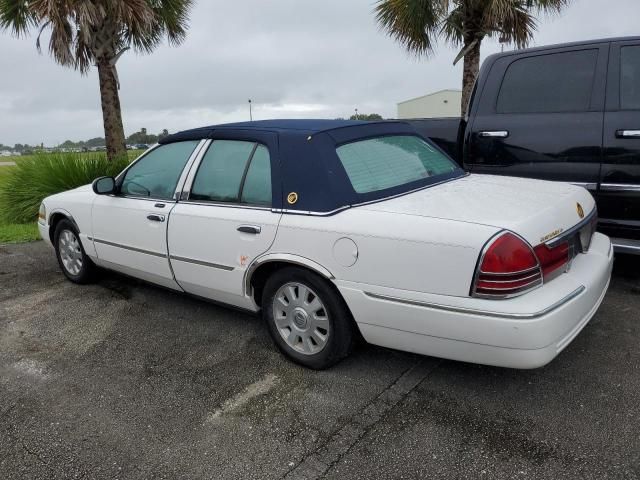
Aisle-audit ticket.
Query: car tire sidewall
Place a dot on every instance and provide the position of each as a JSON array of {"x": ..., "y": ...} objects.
[
  {"x": 341, "y": 335},
  {"x": 87, "y": 271}
]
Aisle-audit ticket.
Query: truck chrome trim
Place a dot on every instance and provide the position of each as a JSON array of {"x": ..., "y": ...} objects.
[
  {"x": 620, "y": 187},
  {"x": 623, "y": 245},
  {"x": 484, "y": 313},
  {"x": 202, "y": 263},
  {"x": 587, "y": 185}
]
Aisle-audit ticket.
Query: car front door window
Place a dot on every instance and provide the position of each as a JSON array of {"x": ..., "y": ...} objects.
[{"x": 156, "y": 175}]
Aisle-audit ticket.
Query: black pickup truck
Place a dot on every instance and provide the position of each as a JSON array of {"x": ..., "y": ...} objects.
[{"x": 566, "y": 112}]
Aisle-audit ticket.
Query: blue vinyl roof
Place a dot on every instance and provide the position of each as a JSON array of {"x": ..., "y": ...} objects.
[{"x": 307, "y": 126}]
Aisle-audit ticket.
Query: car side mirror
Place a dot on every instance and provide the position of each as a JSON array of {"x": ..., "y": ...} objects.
[{"x": 104, "y": 185}]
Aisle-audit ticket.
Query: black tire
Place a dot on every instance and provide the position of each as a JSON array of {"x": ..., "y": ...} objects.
[
  {"x": 340, "y": 334},
  {"x": 86, "y": 273}
]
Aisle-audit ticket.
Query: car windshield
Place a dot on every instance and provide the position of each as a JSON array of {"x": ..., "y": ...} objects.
[{"x": 385, "y": 162}]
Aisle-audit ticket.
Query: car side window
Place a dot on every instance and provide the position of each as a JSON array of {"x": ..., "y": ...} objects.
[
  {"x": 156, "y": 174},
  {"x": 630, "y": 78},
  {"x": 550, "y": 83},
  {"x": 257, "y": 184},
  {"x": 234, "y": 171}
]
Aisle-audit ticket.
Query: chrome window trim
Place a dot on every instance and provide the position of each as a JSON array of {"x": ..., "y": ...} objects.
[
  {"x": 620, "y": 187},
  {"x": 177, "y": 195},
  {"x": 228, "y": 205},
  {"x": 484, "y": 313}
]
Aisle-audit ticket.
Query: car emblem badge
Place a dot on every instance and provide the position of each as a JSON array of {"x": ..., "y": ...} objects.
[
  {"x": 580, "y": 210},
  {"x": 292, "y": 198}
]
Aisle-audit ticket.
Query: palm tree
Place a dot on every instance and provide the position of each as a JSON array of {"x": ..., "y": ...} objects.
[
  {"x": 97, "y": 32},
  {"x": 418, "y": 24}
]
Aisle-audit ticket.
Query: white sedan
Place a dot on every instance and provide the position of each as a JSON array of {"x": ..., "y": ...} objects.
[{"x": 333, "y": 229}]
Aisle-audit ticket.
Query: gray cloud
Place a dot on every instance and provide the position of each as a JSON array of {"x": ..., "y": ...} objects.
[{"x": 294, "y": 58}]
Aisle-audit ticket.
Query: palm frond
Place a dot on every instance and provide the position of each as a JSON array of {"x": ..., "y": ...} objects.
[
  {"x": 413, "y": 23},
  {"x": 17, "y": 16}
]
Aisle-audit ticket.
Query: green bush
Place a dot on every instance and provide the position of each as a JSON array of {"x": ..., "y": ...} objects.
[{"x": 23, "y": 187}]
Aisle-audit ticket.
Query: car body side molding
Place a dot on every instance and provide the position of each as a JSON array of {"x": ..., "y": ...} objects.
[{"x": 484, "y": 313}]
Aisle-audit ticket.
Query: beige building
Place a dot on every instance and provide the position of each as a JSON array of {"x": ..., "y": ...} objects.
[{"x": 445, "y": 103}]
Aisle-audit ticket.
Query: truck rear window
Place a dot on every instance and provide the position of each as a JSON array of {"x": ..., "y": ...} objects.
[{"x": 385, "y": 162}]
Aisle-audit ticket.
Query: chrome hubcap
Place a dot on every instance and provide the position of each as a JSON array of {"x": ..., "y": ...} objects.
[
  {"x": 70, "y": 252},
  {"x": 301, "y": 318}
]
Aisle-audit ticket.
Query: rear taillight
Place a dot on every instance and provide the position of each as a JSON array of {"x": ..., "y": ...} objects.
[
  {"x": 552, "y": 259},
  {"x": 507, "y": 267}
]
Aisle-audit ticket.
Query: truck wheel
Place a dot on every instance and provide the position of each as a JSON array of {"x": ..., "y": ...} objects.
[
  {"x": 73, "y": 261},
  {"x": 307, "y": 319}
]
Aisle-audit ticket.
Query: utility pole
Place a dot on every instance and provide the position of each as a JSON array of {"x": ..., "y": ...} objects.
[{"x": 250, "y": 112}]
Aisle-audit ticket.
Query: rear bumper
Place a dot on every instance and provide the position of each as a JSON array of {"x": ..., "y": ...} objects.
[{"x": 523, "y": 332}]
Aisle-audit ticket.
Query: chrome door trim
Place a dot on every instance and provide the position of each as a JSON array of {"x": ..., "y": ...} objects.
[
  {"x": 484, "y": 313},
  {"x": 620, "y": 187},
  {"x": 494, "y": 134},
  {"x": 627, "y": 133},
  {"x": 202, "y": 263},
  {"x": 133, "y": 249}
]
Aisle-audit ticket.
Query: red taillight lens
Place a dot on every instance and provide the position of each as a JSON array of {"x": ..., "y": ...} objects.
[
  {"x": 551, "y": 259},
  {"x": 508, "y": 267}
]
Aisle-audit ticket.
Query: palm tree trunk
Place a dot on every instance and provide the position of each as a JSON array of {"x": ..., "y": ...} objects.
[
  {"x": 469, "y": 73},
  {"x": 111, "y": 112}
]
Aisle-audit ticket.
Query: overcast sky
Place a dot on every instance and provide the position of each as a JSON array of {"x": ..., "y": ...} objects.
[{"x": 293, "y": 58}]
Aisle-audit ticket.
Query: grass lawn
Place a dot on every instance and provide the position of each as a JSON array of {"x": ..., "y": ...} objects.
[{"x": 18, "y": 232}]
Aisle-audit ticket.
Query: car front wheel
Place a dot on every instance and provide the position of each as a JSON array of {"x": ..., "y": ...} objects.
[
  {"x": 307, "y": 319},
  {"x": 73, "y": 261}
]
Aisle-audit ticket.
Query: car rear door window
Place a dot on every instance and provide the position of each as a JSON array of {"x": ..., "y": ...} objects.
[
  {"x": 234, "y": 171},
  {"x": 257, "y": 184},
  {"x": 558, "y": 82},
  {"x": 630, "y": 78},
  {"x": 156, "y": 174}
]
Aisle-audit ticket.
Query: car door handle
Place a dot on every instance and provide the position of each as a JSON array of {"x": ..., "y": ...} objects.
[
  {"x": 154, "y": 217},
  {"x": 628, "y": 133},
  {"x": 494, "y": 133},
  {"x": 254, "y": 229}
]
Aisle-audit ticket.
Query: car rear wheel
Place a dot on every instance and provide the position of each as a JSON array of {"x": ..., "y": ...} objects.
[
  {"x": 73, "y": 261},
  {"x": 307, "y": 318}
]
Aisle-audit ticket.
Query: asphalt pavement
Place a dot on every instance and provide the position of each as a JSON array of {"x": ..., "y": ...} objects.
[{"x": 125, "y": 380}]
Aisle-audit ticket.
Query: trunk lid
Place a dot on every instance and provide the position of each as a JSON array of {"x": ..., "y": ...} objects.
[{"x": 537, "y": 210}]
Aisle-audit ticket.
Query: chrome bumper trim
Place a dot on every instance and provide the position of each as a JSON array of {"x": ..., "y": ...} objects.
[{"x": 484, "y": 313}]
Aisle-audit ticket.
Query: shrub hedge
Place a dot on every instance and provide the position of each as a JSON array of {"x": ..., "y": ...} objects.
[{"x": 32, "y": 179}]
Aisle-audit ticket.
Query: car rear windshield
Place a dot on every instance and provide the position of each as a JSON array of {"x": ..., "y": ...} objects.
[{"x": 386, "y": 162}]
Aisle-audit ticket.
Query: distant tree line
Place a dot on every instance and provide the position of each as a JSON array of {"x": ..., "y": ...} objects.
[{"x": 137, "y": 138}]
